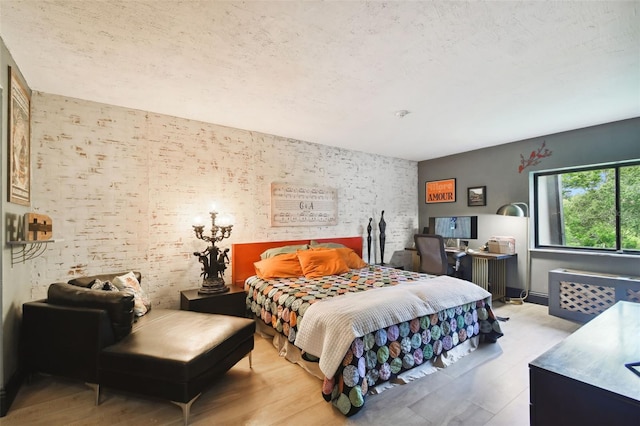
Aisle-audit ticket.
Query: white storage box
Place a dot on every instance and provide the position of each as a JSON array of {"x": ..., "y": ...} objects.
[{"x": 502, "y": 245}]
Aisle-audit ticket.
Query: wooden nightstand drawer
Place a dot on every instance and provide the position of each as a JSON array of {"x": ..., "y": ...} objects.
[{"x": 232, "y": 302}]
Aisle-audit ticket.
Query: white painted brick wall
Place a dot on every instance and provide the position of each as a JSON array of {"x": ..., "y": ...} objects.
[{"x": 123, "y": 187}]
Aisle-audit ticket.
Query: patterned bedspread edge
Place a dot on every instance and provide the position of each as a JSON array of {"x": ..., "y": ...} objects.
[{"x": 330, "y": 326}]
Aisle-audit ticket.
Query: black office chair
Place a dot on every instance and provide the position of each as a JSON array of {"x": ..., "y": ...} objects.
[{"x": 433, "y": 257}]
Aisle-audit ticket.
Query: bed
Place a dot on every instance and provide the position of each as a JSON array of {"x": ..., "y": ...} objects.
[{"x": 363, "y": 328}]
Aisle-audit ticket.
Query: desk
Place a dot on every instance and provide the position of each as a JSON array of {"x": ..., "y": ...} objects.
[
  {"x": 454, "y": 256},
  {"x": 488, "y": 270},
  {"x": 583, "y": 380}
]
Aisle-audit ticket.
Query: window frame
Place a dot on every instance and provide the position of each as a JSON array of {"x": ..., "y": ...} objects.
[{"x": 536, "y": 206}]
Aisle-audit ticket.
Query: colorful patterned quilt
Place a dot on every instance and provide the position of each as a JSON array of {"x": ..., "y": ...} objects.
[{"x": 378, "y": 356}]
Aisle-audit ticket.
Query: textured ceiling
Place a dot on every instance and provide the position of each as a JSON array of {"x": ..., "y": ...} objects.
[{"x": 472, "y": 74}]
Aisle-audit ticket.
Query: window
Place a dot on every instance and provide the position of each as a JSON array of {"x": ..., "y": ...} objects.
[{"x": 590, "y": 208}]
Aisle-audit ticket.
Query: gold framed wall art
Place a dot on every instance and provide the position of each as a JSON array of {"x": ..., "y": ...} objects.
[{"x": 19, "y": 137}]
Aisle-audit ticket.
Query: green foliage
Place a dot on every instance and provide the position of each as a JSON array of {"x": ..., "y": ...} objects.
[
  {"x": 589, "y": 208},
  {"x": 630, "y": 206}
]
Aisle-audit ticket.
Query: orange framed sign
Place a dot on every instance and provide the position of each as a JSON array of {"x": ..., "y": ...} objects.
[{"x": 441, "y": 191}]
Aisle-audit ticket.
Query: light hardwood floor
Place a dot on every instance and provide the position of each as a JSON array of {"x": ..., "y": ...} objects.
[{"x": 487, "y": 387}]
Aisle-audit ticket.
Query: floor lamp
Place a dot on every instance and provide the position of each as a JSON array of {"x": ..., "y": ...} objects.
[{"x": 519, "y": 210}]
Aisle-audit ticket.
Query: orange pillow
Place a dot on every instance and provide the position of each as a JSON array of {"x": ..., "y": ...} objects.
[
  {"x": 319, "y": 263},
  {"x": 350, "y": 257},
  {"x": 281, "y": 266}
]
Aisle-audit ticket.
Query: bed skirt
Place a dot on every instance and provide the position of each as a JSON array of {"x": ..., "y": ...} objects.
[{"x": 293, "y": 354}]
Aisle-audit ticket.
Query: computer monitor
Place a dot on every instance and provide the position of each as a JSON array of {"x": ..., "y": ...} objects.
[{"x": 460, "y": 227}]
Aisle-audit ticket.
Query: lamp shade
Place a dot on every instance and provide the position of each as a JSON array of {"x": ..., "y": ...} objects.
[{"x": 514, "y": 209}]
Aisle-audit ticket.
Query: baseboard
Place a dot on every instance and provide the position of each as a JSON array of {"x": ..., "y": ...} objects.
[
  {"x": 9, "y": 392},
  {"x": 537, "y": 298}
]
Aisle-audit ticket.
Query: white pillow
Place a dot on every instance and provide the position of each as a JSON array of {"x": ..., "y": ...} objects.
[
  {"x": 103, "y": 285},
  {"x": 129, "y": 283}
]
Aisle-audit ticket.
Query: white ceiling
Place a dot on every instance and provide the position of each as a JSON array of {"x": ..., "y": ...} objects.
[{"x": 472, "y": 74}]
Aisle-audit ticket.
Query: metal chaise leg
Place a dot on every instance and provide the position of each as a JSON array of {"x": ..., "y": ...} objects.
[
  {"x": 96, "y": 388},
  {"x": 186, "y": 408}
]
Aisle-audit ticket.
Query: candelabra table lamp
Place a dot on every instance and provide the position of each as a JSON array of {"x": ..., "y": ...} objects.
[{"x": 214, "y": 260}]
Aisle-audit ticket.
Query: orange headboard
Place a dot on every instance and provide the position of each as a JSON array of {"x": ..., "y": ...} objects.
[{"x": 243, "y": 255}]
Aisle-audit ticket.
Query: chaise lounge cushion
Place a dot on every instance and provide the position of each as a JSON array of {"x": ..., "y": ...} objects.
[
  {"x": 118, "y": 305},
  {"x": 175, "y": 354}
]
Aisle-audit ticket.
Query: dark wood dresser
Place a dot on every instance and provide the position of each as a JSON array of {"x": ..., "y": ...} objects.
[{"x": 583, "y": 379}]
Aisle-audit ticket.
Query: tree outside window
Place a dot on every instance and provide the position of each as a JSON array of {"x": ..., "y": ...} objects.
[{"x": 590, "y": 208}]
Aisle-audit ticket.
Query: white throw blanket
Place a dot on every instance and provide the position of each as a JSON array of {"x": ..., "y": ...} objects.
[{"x": 329, "y": 327}]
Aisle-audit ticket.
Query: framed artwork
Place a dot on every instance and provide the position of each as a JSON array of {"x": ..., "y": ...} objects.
[
  {"x": 477, "y": 196},
  {"x": 440, "y": 191},
  {"x": 300, "y": 205},
  {"x": 19, "y": 137}
]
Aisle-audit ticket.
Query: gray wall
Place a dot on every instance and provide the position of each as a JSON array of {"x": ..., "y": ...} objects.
[{"x": 497, "y": 168}]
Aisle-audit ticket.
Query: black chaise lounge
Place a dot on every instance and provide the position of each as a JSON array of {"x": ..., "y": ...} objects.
[{"x": 90, "y": 335}]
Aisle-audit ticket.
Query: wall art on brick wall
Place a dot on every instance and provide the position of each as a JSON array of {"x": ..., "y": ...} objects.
[
  {"x": 441, "y": 191},
  {"x": 297, "y": 205},
  {"x": 19, "y": 142}
]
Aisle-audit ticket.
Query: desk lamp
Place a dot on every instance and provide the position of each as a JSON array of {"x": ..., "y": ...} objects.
[
  {"x": 514, "y": 209},
  {"x": 519, "y": 210}
]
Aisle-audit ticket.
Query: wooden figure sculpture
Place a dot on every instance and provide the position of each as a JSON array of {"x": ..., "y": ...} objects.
[
  {"x": 382, "y": 225},
  {"x": 369, "y": 241}
]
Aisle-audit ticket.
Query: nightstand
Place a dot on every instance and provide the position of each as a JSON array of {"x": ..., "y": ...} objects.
[{"x": 232, "y": 302}]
